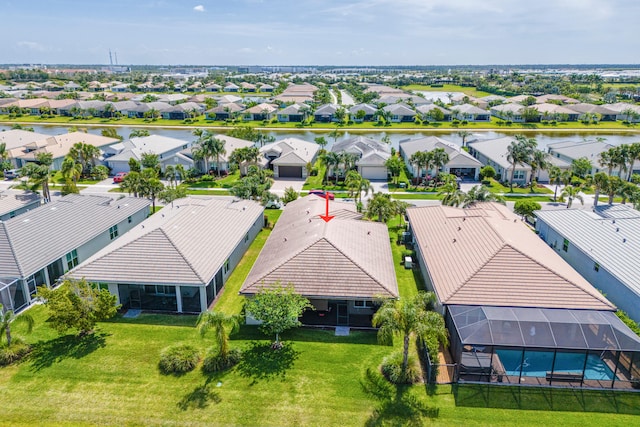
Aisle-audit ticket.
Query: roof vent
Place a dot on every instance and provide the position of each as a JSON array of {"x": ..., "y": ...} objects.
[
  {"x": 454, "y": 240},
  {"x": 624, "y": 240},
  {"x": 285, "y": 239},
  {"x": 459, "y": 228},
  {"x": 617, "y": 229}
]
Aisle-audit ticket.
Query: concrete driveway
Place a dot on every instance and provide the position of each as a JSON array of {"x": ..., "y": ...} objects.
[{"x": 280, "y": 184}]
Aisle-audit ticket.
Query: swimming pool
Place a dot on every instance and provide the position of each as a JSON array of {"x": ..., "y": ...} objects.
[{"x": 538, "y": 363}]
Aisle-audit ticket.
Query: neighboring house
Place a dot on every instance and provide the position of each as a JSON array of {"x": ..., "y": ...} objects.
[
  {"x": 415, "y": 100},
  {"x": 179, "y": 259},
  {"x": 266, "y": 88},
  {"x": 542, "y": 99},
  {"x": 371, "y": 154},
  {"x": 556, "y": 112},
  {"x": 369, "y": 112},
  {"x": 428, "y": 108},
  {"x": 460, "y": 164},
  {"x": 183, "y": 111},
  {"x": 603, "y": 245},
  {"x": 261, "y": 111},
  {"x": 58, "y": 146},
  {"x": 84, "y": 109},
  {"x": 603, "y": 113},
  {"x": 289, "y": 157},
  {"x": 168, "y": 150},
  {"x": 400, "y": 113},
  {"x": 626, "y": 112},
  {"x": 248, "y": 87},
  {"x": 343, "y": 266},
  {"x": 39, "y": 246},
  {"x": 231, "y": 87},
  {"x": 493, "y": 152},
  {"x": 228, "y": 99},
  {"x": 212, "y": 87},
  {"x": 516, "y": 312},
  {"x": 571, "y": 150},
  {"x": 16, "y": 139},
  {"x": 16, "y": 202},
  {"x": 470, "y": 113},
  {"x": 326, "y": 113},
  {"x": 511, "y": 112},
  {"x": 293, "y": 113},
  {"x": 225, "y": 111},
  {"x": 230, "y": 145}
]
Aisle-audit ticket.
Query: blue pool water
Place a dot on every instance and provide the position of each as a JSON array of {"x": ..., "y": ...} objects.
[{"x": 538, "y": 363}]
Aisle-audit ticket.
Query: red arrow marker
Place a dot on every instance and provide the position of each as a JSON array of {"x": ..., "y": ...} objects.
[{"x": 326, "y": 217}]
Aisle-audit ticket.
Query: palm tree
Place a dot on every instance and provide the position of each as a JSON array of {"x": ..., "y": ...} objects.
[
  {"x": 519, "y": 152},
  {"x": 204, "y": 146},
  {"x": 464, "y": 135},
  {"x": 352, "y": 183},
  {"x": 410, "y": 317},
  {"x": 137, "y": 133},
  {"x": 607, "y": 159},
  {"x": 537, "y": 162},
  {"x": 451, "y": 194},
  {"x": 7, "y": 317},
  {"x": 600, "y": 182},
  {"x": 571, "y": 192},
  {"x": 222, "y": 325},
  {"x": 417, "y": 159},
  {"x": 555, "y": 178},
  {"x": 71, "y": 172},
  {"x": 480, "y": 193},
  {"x": 439, "y": 158},
  {"x": 380, "y": 205},
  {"x": 633, "y": 155},
  {"x": 331, "y": 161}
]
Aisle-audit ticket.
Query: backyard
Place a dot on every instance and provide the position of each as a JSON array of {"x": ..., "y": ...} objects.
[{"x": 112, "y": 377}]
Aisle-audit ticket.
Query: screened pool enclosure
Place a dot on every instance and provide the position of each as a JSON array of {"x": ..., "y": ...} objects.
[{"x": 543, "y": 346}]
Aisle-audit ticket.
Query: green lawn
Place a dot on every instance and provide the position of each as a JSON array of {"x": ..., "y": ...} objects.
[
  {"x": 409, "y": 196},
  {"x": 471, "y": 91},
  {"x": 224, "y": 182},
  {"x": 497, "y": 187},
  {"x": 409, "y": 281},
  {"x": 229, "y": 301}
]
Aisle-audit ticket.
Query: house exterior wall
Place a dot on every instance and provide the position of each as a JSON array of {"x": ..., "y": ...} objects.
[
  {"x": 612, "y": 287},
  {"x": 20, "y": 210},
  {"x": 505, "y": 174}
]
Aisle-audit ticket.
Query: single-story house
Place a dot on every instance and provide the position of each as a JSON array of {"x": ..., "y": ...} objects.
[
  {"x": 372, "y": 156},
  {"x": 37, "y": 247},
  {"x": 231, "y": 87},
  {"x": 461, "y": 163},
  {"x": 168, "y": 150},
  {"x": 604, "y": 113},
  {"x": 428, "y": 108},
  {"x": 511, "y": 112},
  {"x": 369, "y": 112},
  {"x": 58, "y": 146},
  {"x": 400, "y": 113},
  {"x": 225, "y": 111},
  {"x": 342, "y": 266},
  {"x": 266, "y": 88},
  {"x": 293, "y": 113},
  {"x": 326, "y": 113},
  {"x": 556, "y": 112},
  {"x": 179, "y": 259},
  {"x": 603, "y": 245},
  {"x": 261, "y": 111},
  {"x": 289, "y": 157},
  {"x": 626, "y": 112},
  {"x": 230, "y": 145},
  {"x": 516, "y": 312},
  {"x": 572, "y": 150},
  {"x": 16, "y": 202},
  {"x": 212, "y": 87},
  {"x": 16, "y": 139},
  {"x": 182, "y": 111},
  {"x": 493, "y": 152},
  {"x": 470, "y": 113},
  {"x": 248, "y": 87}
]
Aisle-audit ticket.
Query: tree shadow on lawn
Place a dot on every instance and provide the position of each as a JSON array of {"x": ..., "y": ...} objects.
[
  {"x": 46, "y": 353},
  {"x": 201, "y": 396},
  {"x": 397, "y": 406},
  {"x": 261, "y": 362}
]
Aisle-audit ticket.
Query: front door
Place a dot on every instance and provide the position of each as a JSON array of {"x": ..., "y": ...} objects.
[
  {"x": 342, "y": 314},
  {"x": 134, "y": 298}
]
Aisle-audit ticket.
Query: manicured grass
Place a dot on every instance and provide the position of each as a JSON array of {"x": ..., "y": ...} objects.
[
  {"x": 409, "y": 280},
  {"x": 408, "y": 196},
  {"x": 471, "y": 91},
  {"x": 515, "y": 198},
  {"x": 224, "y": 181},
  {"x": 497, "y": 187},
  {"x": 229, "y": 301}
]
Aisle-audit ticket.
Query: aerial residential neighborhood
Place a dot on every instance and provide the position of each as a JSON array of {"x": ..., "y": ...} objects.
[{"x": 320, "y": 213}]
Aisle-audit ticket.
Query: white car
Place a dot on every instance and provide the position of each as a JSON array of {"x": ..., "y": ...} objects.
[
  {"x": 273, "y": 204},
  {"x": 12, "y": 173}
]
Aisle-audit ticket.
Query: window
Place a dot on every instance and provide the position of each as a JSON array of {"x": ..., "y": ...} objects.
[
  {"x": 226, "y": 267},
  {"x": 72, "y": 259},
  {"x": 565, "y": 245},
  {"x": 596, "y": 267},
  {"x": 362, "y": 304},
  {"x": 12, "y": 214},
  {"x": 113, "y": 232},
  {"x": 129, "y": 220},
  {"x": 246, "y": 238},
  {"x": 518, "y": 174}
]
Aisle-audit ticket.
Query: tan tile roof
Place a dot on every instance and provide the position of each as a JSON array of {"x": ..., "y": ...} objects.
[
  {"x": 344, "y": 258},
  {"x": 486, "y": 256}
]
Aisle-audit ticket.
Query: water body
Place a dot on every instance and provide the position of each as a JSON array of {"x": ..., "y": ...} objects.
[{"x": 543, "y": 138}]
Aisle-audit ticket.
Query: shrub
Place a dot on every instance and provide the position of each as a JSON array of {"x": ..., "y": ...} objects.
[
  {"x": 207, "y": 178},
  {"x": 392, "y": 369},
  {"x": 13, "y": 353},
  {"x": 486, "y": 182},
  {"x": 215, "y": 362},
  {"x": 178, "y": 359}
]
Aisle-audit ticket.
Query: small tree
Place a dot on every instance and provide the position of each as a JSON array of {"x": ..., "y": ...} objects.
[
  {"x": 526, "y": 208},
  {"x": 278, "y": 308},
  {"x": 8, "y": 317},
  {"x": 487, "y": 172},
  {"x": 290, "y": 194},
  {"x": 222, "y": 325},
  {"x": 77, "y": 304}
]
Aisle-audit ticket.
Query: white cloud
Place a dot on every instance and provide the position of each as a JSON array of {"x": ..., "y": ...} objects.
[
  {"x": 199, "y": 8},
  {"x": 30, "y": 45}
]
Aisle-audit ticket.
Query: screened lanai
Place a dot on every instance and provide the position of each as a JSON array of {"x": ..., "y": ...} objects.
[{"x": 543, "y": 346}]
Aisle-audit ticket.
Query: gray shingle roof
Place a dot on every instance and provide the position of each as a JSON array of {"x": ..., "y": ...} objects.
[
  {"x": 11, "y": 200},
  {"x": 342, "y": 258},
  {"x": 183, "y": 244},
  {"x": 611, "y": 238},
  {"x": 37, "y": 238},
  {"x": 496, "y": 150}
]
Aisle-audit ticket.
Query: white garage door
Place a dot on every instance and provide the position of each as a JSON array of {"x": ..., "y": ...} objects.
[{"x": 374, "y": 172}]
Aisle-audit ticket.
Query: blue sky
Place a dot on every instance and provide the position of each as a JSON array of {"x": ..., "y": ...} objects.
[{"x": 322, "y": 32}]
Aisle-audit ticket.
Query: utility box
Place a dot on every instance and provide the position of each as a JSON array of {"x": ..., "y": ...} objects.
[
  {"x": 408, "y": 262},
  {"x": 406, "y": 237}
]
